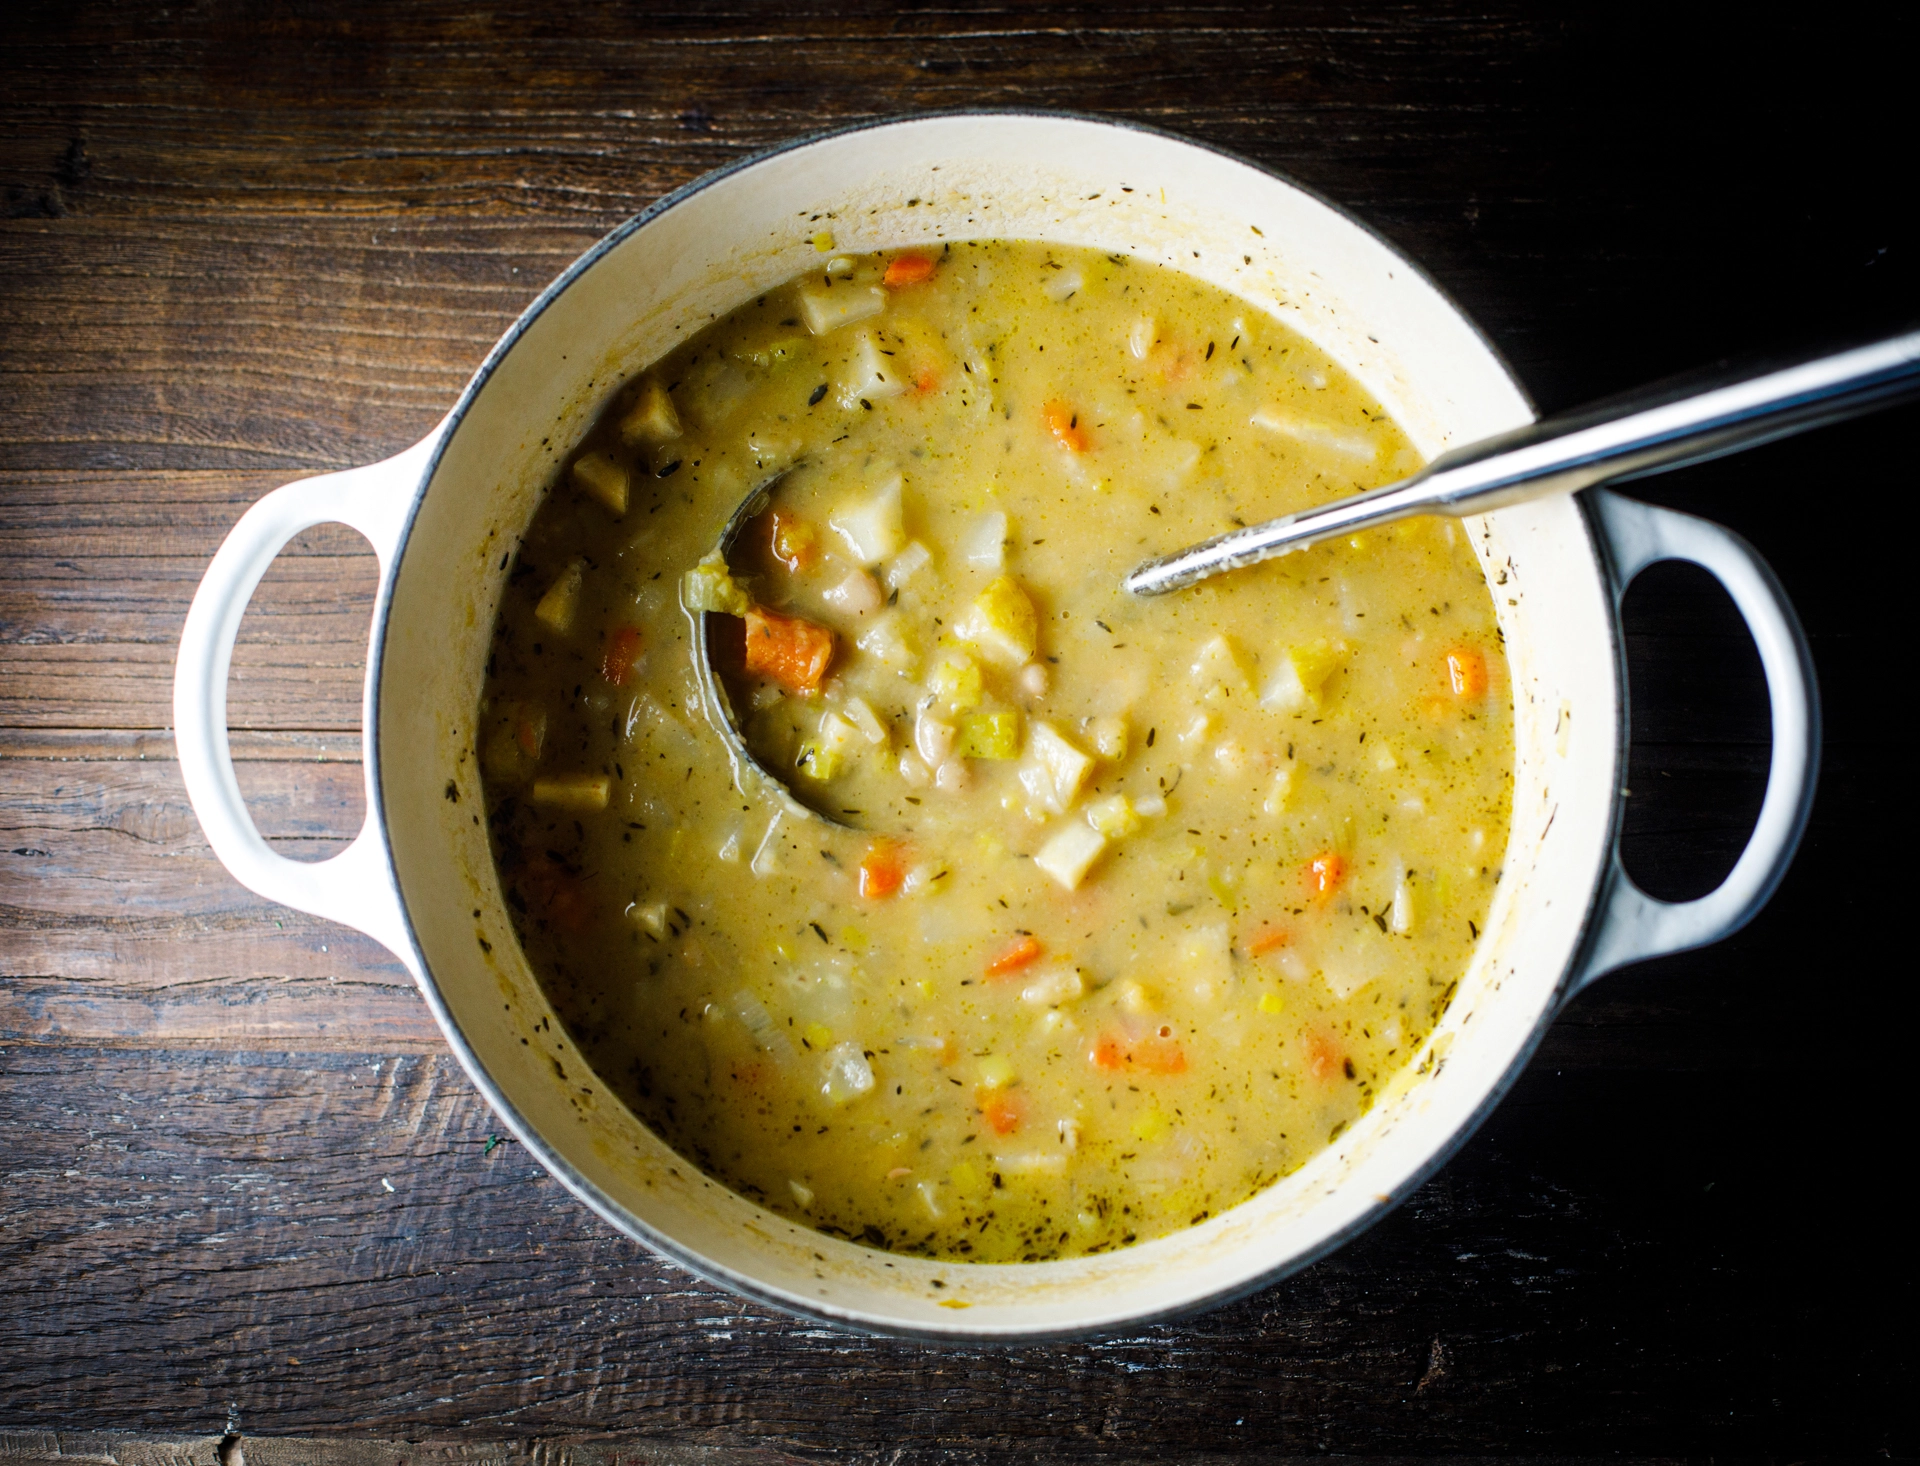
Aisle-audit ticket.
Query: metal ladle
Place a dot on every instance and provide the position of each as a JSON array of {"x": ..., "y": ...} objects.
[
  {"x": 747, "y": 769},
  {"x": 1657, "y": 429}
]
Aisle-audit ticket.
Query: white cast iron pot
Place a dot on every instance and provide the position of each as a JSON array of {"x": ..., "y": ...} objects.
[{"x": 445, "y": 515}]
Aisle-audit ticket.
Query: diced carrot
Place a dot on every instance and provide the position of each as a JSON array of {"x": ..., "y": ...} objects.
[
  {"x": 1325, "y": 872},
  {"x": 1466, "y": 672},
  {"x": 1015, "y": 955},
  {"x": 925, "y": 380},
  {"x": 1002, "y": 1109},
  {"x": 908, "y": 270},
  {"x": 881, "y": 871},
  {"x": 556, "y": 895},
  {"x": 1158, "y": 1052},
  {"x": 1268, "y": 939},
  {"x": 795, "y": 543},
  {"x": 1064, "y": 423},
  {"x": 792, "y": 650},
  {"x": 623, "y": 650},
  {"x": 531, "y": 734},
  {"x": 1324, "y": 1059}
]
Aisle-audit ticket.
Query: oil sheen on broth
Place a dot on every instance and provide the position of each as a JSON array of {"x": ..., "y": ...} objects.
[{"x": 1148, "y": 898}]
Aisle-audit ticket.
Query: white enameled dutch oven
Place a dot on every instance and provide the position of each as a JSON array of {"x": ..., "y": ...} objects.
[{"x": 445, "y": 515}]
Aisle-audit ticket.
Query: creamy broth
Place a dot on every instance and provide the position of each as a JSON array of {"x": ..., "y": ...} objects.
[{"x": 1147, "y": 899}]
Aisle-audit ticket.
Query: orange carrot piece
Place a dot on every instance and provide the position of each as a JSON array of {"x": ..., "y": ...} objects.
[
  {"x": 624, "y": 644},
  {"x": 881, "y": 871},
  {"x": 1022, "y": 950},
  {"x": 1064, "y": 423},
  {"x": 792, "y": 650},
  {"x": 1324, "y": 1059},
  {"x": 795, "y": 543},
  {"x": 1003, "y": 1111},
  {"x": 1325, "y": 872},
  {"x": 908, "y": 270},
  {"x": 1466, "y": 672},
  {"x": 1158, "y": 1053},
  {"x": 1268, "y": 939},
  {"x": 925, "y": 380}
]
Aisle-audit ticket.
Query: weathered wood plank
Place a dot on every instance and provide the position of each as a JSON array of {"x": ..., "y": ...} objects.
[{"x": 1611, "y": 1261}]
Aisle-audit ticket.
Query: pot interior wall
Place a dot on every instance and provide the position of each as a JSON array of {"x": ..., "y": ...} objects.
[{"x": 952, "y": 178}]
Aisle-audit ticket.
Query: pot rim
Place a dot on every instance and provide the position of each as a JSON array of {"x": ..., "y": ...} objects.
[{"x": 635, "y": 1227}]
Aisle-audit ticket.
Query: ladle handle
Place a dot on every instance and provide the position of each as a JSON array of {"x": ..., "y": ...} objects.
[
  {"x": 1627, "y": 924},
  {"x": 356, "y": 887},
  {"x": 1664, "y": 428}
]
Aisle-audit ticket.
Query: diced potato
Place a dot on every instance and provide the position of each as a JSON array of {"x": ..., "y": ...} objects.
[
  {"x": 1301, "y": 677},
  {"x": 829, "y": 307},
  {"x": 890, "y": 640},
  {"x": 1151, "y": 1126},
  {"x": 1207, "y": 955},
  {"x": 803, "y": 1195},
  {"x": 562, "y": 600},
  {"x": 857, "y": 593},
  {"x": 581, "y": 793},
  {"x": 1053, "y": 986},
  {"x": 652, "y": 419},
  {"x": 984, "y": 543},
  {"x": 874, "y": 527},
  {"x": 1113, "y": 816},
  {"x": 1002, "y": 623},
  {"x": 871, "y": 375},
  {"x": 990, "y": 735},
  {"x": 1052, "y": 771},
  {"x": 1220, "y": 671},
  {"x": 1069, "y": 855},
  {"x": 1108, "y": 737},
  {"x": 1141, "y": 336},
  {"x": 1135, "y": 999},
  {"x": 601, "y": 477},
  {"x": 956, "y": 682},
  {"x": 1030, "y": 1163},
  {"x": 848, "y": 1075}
]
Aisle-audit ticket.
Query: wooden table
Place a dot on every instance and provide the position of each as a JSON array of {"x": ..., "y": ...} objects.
[{"x": 244, "y": 244}]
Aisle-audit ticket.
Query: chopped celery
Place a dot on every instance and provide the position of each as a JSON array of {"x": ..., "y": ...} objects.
[
  {"x": 956, "y": 682},
  {"x": 581, "y": 793},
  {"x": 710, "y": 586},
  {"x": 990, "y": 735}
]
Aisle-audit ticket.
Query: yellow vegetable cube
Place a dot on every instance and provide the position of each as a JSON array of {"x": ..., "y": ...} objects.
[
  {"x": 996, "y": 1072},
  {"x": 556, "y": 608},
  {"x": 990, "y": 735},
  {"x": 1002, "y": 623},
  {"x": 652, "y": 418},
  {"x": 601, "y": 477},
  {"x": 710, "y": 586}
]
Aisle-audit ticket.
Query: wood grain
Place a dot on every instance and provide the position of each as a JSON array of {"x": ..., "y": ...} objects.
[{"x": 240, "y": 245}]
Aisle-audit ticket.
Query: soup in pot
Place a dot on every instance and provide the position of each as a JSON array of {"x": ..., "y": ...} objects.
[{"x": 1131, "y": 905}]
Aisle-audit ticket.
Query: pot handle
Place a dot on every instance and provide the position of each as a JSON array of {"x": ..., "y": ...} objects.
[
  {"x": 1629, "y": 925},
  {"x": 354, "y": 887}
]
